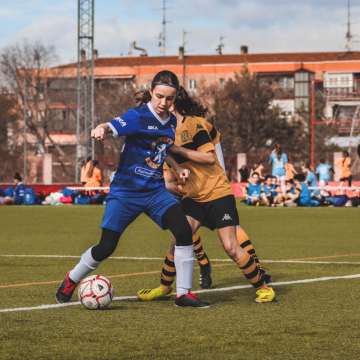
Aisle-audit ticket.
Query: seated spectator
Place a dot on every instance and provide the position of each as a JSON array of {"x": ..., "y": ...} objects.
[
  {"x": 253, "y": 190},
  {"x": 311, "y": 179},
  {"x": 303, "y": 192},
  {"x": 257, "y": 168},
  {"x": 292, "y": 195},
  {"x": 244, "y": 173},
  {"x": 2, "y": 197},
  {"x": 16, "y": 194},
  {"x": 276, "y": 192},
  {"x": 267, "y": 191}
]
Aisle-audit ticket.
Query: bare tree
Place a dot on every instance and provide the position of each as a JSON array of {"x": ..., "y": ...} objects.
[
  {"x": 25, "y": 69},
  {"x": 248, "y": 121},
  {"x": 10, "y": 153},
  {"x": 111, "y": 100}
]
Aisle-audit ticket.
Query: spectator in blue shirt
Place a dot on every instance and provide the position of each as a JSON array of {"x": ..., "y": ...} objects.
[
  {"x": 324, "y": 172},
  {"x": 311, "y": 179},
  {"x": 15, "y": 195},
  {"x": 278, "y": 160}
]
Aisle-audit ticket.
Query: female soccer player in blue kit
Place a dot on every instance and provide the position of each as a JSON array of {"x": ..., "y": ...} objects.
[{"x": 138, "y": 187}]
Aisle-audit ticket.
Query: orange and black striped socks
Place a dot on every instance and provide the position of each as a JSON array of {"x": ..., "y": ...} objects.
[
  {"x": 245, "y": 243},
  {"x": 168, "y": 271},
  {"x": 200, "y": 254},
  {"x": 250, "y": 269}
]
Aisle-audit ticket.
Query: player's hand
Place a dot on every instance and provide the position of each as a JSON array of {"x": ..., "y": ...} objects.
[
  {"x": 98, "y": 133},
  {"x": 180, "y": 189},
  {"x": 183, "y": 174}
]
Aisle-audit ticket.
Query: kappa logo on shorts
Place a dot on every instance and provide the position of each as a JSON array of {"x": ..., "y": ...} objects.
[{"x": 226, "y": 217}]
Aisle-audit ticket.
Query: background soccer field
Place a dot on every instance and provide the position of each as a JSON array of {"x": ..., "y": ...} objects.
[{"x": 310, "y": 320}]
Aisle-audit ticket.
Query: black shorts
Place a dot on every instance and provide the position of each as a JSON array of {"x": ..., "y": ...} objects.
[
  {"x": 348, "y": 179},
  {"x": 215, "y": 214}
]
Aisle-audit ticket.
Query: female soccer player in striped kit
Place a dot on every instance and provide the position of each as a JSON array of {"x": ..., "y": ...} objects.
[
  {"x": 138, "y": 187},
  {"x": 208, "y": 198}
]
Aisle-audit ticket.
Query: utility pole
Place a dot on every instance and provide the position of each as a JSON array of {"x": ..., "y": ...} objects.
[
  {"x": 182, "y": 50},
  {"x": 85, "y": 111},
  {"x": 221, "y": 45},
  {"x": 162, "y": 37},
  {"x": 25, "y": 131}
]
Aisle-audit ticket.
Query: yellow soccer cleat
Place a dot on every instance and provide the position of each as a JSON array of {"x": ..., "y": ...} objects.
[
  {"x": 266, "y": 294},
  {"x": 153, "y": 294}
]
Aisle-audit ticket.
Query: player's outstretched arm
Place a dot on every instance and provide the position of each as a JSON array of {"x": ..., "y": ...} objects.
[
  {"x": 101, "y": 131},
  {"x": 194, "y": 155}
]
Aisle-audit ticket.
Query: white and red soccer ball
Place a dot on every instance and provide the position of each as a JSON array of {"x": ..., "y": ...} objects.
[{"x": 95, "y": 292}]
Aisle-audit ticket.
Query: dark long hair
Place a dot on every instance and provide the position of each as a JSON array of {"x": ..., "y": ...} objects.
[
  {"x": 167, "y": 78},
  {"x": 164, "y": 77},
  {"x": 188, "y": 106}
]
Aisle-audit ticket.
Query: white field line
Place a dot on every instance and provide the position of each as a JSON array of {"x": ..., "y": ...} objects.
[
  {"x": 135, "y": 258},
  {"x": 230, "y": 288}
]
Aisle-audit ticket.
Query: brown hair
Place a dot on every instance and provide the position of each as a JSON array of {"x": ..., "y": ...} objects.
[
  {"x": 188, "y": 106},
  {"x": 164, "y": 77}
]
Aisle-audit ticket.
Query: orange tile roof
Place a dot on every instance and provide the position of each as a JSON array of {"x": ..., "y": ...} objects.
[{"x": 226, "y": 59}]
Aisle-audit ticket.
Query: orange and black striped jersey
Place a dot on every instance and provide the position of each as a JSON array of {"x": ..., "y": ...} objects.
[
  {"x": 214, "y": 134},
  {"x": 206, "y": 182}
]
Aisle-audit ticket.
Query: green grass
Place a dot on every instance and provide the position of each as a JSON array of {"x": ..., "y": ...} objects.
[{"x": 309, "y": 321}]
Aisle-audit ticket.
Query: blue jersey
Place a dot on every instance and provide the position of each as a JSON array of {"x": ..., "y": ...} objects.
[
  {"x": 323, "y": 171},
  {"x": 148, "y": 139},
  {"x": 274, "y": 190},
  {"x": 278, "y": 164},
  {"x": 266, "y": 189},
  {"x": 19, "y": 194},
  {"x": 305, "y": 196},
  {"x": 311, "y": 179},
  {"x": 253, "y": 189}
]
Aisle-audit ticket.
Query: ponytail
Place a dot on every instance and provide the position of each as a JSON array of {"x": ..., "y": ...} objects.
[{"x": 187, "y": 106}]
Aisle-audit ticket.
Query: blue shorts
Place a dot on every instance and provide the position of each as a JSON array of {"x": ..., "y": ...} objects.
[{"x": 122, "y": 208}]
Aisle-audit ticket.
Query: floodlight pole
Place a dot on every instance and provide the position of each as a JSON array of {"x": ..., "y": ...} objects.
[
  {"x": 85, "y": 91},
  {"x": 312, "y": 123},
  {"x": 25, "y": 131}
]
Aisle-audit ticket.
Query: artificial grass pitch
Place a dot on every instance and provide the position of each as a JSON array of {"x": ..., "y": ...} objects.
[{"x": 309, "y": 321}]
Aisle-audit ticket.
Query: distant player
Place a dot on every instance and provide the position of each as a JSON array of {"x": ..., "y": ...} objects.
[
  {"x": 324, "y": 172},
  {"x": 138, "y": 187},
  {"x": 346, "y": 175},
  {"x": 278, "y": 159},
  {"x": 209, "y": 200}
]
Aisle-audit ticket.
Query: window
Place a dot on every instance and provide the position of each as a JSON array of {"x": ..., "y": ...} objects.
[
  {"x": 192, "y": 84},
  {"x": 286, "y": 82}
]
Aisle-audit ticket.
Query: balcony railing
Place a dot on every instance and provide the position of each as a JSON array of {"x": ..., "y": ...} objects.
[{"x": 345, "y": 94}]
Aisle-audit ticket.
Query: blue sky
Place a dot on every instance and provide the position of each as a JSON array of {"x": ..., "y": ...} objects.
[{"x": 263, "y": 25}]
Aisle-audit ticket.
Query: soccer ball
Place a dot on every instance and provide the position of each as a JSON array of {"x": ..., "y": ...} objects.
[{"x": 95, "y": 292}]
